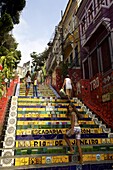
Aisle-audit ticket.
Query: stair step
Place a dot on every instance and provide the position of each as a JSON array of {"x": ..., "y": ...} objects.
[
  {"x": 61, "y": 142},
  {"x": 38, "y": 138},
  {"x": 54, "y": 131}
]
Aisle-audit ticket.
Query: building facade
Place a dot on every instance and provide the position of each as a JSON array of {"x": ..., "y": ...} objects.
[
  {"x": 96, "y": 49},
  {"x": 64, "y": 56}
]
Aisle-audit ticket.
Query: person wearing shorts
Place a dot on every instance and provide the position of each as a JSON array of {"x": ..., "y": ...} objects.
[
  {"x": 73, "y": 114},
  {"x": 68, "y": 86}
]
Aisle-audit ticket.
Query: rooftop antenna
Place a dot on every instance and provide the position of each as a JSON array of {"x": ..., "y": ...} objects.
[{"x": 61, "y": 13}]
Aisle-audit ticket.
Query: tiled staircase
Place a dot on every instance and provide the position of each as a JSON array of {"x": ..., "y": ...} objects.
[{"x": 34, "y": 135}]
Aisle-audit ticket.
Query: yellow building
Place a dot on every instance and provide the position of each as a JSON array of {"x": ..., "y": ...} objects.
[{"x": 70, "y": 31}]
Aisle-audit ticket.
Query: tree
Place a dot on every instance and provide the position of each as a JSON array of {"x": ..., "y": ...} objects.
[
  {"x": 13, "y": 8},
  {"x": 8, "y": 63},
  {"x": 39, "y": 59},
  {"x": 9, "y": 55},
  {"x": 8, "y": 44},
  {"x": 6, "y": 24},
  {"x": 8, "y": 41}
]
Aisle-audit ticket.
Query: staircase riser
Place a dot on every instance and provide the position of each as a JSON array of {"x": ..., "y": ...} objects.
[{"x": 41, "y": 143}]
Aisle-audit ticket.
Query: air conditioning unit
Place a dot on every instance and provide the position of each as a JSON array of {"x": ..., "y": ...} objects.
[
  {"x": 7, "y": 162},
  {"x": 12, "y": 114},
  {"x": 9, "y": 142},
  {"x": 12, "y": 121}
]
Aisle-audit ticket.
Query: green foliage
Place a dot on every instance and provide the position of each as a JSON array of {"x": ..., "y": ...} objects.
[
  {"x": 19, "y": 4},
  {"x": 9, "y": 63},
  {"x": 13, "y": 8},
  {"x": 1, "y": 81},
  {"x": 3, "y": 51},
  {"x": 9, "y": 41},
  {"x": 37, "y": 59},
  {"x": 9, "y": 55},
  {"x": 6, "y": 24}
]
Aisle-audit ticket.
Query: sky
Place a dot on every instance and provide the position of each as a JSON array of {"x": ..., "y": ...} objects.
[{"x": 37, "y": 25}]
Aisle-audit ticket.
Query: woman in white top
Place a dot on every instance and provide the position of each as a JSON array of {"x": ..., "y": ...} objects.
[
  {"x": 73, "y": 114},
  {"x": 68, "y": 85},
  {"x": 27, "y": 82}
]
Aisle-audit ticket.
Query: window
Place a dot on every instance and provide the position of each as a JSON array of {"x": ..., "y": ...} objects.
[
  {"x": 71, "y": 58},
  {"x": 76, "y": 60},
  {"x": 106, "y": 59},
  {"x": 86, "y": 69},
  {"x": 94, "y": 61}
]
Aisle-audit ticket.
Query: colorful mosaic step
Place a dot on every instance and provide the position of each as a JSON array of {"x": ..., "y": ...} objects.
[{"x": 36, "y": 126}]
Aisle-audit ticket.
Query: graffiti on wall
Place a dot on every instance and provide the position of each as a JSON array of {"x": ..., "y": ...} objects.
[{"x": 94, "y": 84}]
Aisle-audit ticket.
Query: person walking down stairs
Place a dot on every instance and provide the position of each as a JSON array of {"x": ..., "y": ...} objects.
[
  {"x": 27, "y": 82},
  {"x": 72, "y": 113}
]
